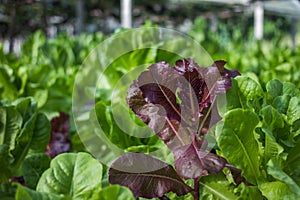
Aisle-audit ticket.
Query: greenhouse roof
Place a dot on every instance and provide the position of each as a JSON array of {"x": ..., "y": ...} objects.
[
  {"x": 285, "y": 7},
  {"x": 280, "y": 7}
]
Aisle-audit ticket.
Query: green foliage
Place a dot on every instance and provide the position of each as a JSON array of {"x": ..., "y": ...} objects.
[
  {"x": 33, "y": 167},
  {"x": 75, "y": 176},
  {"x": 259, "y": 132},
  {"x": 23, "y": 130},
  {"x": 46, "y": 69},
  {"x": 238, "y": 144},
  {"x": 262, "y": 138}
]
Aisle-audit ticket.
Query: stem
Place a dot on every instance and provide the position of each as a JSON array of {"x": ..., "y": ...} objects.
[
  {"x": 174, "y": 130},
  {"x": 206, "y": 116},
  {"x": 196, "y": 189}
]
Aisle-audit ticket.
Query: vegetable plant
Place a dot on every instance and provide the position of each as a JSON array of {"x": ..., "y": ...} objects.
[{"x": 177, "y": 104}]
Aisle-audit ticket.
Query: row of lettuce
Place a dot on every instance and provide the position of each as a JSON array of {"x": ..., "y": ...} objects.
[{"x": 261, "y": 118}]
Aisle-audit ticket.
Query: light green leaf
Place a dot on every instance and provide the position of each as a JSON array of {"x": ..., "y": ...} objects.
[
  {"x": 10, "y": 90},
  {"x": 249, "y": 88},
  {"x": 274, "y": 88},
  {"x": 232, "y": 96},
  {"x": 73, "y": 175},
  {"x": 291, "y": 89},
  {"x": 116, "y": 192},
  {"x": 293, "y": 111},
  {"x": 238, "y": 144},
  {"x": 277, "y": 189},
  {"x": 272, "y": 148},
  {"x": 216, "y": 187},
  {"x": 275, "y": 170},
  {"x": 272, "y": 118},
  {"x": 24, "y": 193},
  {"x": 23, "y": 142},
  {"x": 10, "y": 125},
  {"x": 246, "y": 192}
]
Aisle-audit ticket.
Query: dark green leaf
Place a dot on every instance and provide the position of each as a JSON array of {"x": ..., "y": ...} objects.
[{"x": 33, "y": 167}]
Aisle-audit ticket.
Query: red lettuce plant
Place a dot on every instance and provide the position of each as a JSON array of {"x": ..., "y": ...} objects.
[
  {"x": 178, "y": 104},
  {"x": 59, "y": 141}
]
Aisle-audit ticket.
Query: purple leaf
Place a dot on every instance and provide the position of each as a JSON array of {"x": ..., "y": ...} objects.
[
  {"x": 59, "y": 141},
  {"x": 220, "y": 65},
  {"x": 158, "y": 85},
  {"x": 157, "y": 106},
  {"x": 193, "y": 162},
  {"x": 153, "y": 98},
  {"x": 146, "y": 176},
  {"x": 237, "y": 175}
]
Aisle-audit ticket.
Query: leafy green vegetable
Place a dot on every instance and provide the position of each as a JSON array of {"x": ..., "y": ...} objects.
[
  {"x": 116, "y": 192},
  {"x": 76, "y": 176},
  {"x": 33, "y": 167},
  {"x": 216, "y": 187},
  {"x": 267, "y": 133},
  {"x": 24, "y": 193},
  {"x": 238, "y": 144},
  {"x": 277, "y": 189},
  {"x": 23, "y": 130},
  {"x": 275, "y": 171}
]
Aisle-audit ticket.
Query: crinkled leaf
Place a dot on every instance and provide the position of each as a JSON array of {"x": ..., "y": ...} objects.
[
  {"x": 10, "y": 126},
  {"x": 272, "y": 148},
  {"x": 146, "y": 176},
  {"x": 26, "y": 107},
  {"x": 293, "y": 162},
  {"x": 275, "y": 170},
  {"x": 5, "y": 158},
  {"x": 272, "y": 118},
  {"x": 249, "y": 88},
  {"x": 216, "y": 187},
  {"x": 24, "y": 193},
  {"x": 23, "y": 140},
  {"x": 238, "y": 144},
  {"x": 281, "y": 103},
  {"x": 23, "y": 129},
  {"x": 290, "y": 89},
  {"x": 155, "y": 117},
  {"x": 274, "y": 88},
  {"x": 244, "y": 192},
  {"x": 33, "y": 167},
  {"x": 192, "y": 162},
  {"x": 158, "y": 86},
  {"x": 75, "y": 175},
  {"x": 293, "y": 111},
  {"x": 153, "y": 98},
  {"x": 41, "y": 134},
  {"x": 277, "y": 189}
]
